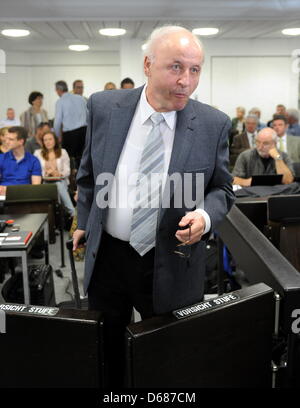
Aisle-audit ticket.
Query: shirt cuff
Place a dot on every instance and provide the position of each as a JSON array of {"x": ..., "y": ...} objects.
[{"x": 206, "y": 219}]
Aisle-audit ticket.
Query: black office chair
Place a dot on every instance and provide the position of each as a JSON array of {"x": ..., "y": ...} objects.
[
  {"x": 296, "y": 166},
  {"x": 284, "y": 226}
]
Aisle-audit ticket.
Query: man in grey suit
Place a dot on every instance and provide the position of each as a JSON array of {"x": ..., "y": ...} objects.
[
  {"x": 286, "y": 143},
  {"x": 125, "y": 267}
]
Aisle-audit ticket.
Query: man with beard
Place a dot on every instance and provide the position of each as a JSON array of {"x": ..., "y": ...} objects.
[{"x": 265, "y": 158}]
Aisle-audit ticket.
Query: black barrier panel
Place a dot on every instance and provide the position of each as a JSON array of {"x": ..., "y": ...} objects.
[
  {"x": 60, "y": 348},
  {"x": 262, "y": 262},
  {"x": 225, "y": 346}
]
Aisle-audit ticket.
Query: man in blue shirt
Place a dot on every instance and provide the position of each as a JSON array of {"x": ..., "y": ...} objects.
[
  {"x": 70, "y": 121},
  {"x": 18, "y": 166}
]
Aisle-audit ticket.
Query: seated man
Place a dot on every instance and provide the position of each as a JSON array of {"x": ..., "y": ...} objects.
[
  {"x": 10, "y": 119},
  {"x": 18, "y": 166},
  {"x": 263, "y": 159},
  {"x": 286, "y": 143},
  {"x": 245, "y": 140},
  {"x": 35, "y": 142}
]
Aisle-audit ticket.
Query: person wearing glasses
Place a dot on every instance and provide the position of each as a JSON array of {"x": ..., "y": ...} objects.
[
  {"x": 132, "y": 252},
  {"x": 78, "y": 88},
  {"x": 264, "y": 158}
]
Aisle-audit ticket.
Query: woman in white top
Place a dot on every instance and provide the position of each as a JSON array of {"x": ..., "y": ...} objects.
[{"x": 55, "y": 163}]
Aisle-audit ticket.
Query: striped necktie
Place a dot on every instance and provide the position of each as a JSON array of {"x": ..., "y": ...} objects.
[{"x": 145, "y": 213}]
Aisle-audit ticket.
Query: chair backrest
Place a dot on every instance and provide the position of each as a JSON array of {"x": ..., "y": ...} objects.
[
  {"x": 32, "y": 192},
  {"x": 284, "y": 208},
  {"x": 296, "y": 166}
]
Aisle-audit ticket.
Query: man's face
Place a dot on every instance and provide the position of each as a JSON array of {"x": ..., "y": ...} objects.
[
  {"x": 264, "y": 142},
  {"x": 10, "y": 114},
  {"x": 41, "y": 131},
  {"x": 78, "y": 88},
  {"x": 173, "y": 74},
  {"x": 279, "y": 126},
  {"x": 240, "y": 113},
  {"x": 250, "y": 125},
  {"x": 12, "y": 142},
  {"x": 280, "y": 110},
  {"x": 127, "y": 86}
]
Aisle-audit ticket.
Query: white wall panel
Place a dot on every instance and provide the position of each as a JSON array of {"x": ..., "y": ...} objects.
[
  {"x": 252, "y": 81},
  {"x": 40, "y": 71}
]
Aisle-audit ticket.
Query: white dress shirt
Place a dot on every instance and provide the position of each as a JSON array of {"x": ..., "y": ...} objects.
[
  {"x": 283, "y": 138},
  {"x": 123, "y": 192},
  {"x": 251, "y": 138}
]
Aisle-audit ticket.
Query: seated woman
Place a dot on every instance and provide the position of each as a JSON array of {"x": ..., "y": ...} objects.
[
  {"x": 55, "y": 163},
  {"x": 3, "y": 138}
]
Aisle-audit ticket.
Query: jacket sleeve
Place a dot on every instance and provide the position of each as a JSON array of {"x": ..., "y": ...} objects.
[{"x": 85, "y": 177}]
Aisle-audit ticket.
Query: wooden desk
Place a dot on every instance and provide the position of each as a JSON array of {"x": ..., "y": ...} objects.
[{"x": 28, "y": 222}]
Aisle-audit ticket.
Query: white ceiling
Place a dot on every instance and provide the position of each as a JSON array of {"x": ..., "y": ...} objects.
[{"x": 54, "y": 24}]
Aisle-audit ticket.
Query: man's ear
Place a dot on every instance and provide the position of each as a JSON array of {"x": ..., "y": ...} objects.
[{"x": 147, "y": 65}]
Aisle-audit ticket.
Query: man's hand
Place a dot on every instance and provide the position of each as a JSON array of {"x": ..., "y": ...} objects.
[
  {"x": 244, "y": 182},
  {"x": 77, "y": 235},
  {"x": 197, "y": 223},
  {"x": 273, "y": 152},
  {"x": 3, "y": 190}
]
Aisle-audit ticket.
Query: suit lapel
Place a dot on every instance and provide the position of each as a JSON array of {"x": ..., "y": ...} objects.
[
  {"x": 183, "y": 139},
  {"x": 120, "y": 121},
  {"x": 245, "y": 142}
]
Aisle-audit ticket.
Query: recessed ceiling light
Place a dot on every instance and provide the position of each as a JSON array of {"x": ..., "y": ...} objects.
[
  {"x": 112, "y": 31},
  {"x": 79, "y": 47},
  {"x": 205, "y": 31},
  {"x": 15, "y": 33},
  {"x": 291, "y": 31}
]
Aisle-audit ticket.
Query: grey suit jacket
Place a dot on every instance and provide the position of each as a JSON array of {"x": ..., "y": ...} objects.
[
  {"x": 200, "y": 146},
  {"x": 293, "y": 148},
  {"x": 239, "y": 144}
]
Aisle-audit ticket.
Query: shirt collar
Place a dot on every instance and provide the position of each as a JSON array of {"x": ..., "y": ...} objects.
[
  {"x": 12, "y": 157},
  {"x": 147, "y": 110},
  {"x": 282, "y": 137}
]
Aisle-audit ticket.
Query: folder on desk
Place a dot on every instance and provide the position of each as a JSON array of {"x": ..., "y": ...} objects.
[{"x": 16, "y": 238}]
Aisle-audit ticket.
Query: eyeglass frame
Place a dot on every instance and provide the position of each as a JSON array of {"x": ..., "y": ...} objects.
[{"x": 184, "y": 244}]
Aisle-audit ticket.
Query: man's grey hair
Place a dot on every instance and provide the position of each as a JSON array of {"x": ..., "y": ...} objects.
[
  {"x": 253, "y": 111},
  {"x": 272, "y": 131},
  {"x": 252, "y": 117},
  {"x": 163, "y": 31},
  {"x": 62, "y": 86},
  {"x": 294, "y": 113}
]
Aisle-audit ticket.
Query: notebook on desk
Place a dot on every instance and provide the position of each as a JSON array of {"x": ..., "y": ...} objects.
[{"x": 266, "y": 179}]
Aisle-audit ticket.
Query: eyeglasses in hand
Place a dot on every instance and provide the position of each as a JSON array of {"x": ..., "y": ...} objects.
[{"x": 184, "y": 250}]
